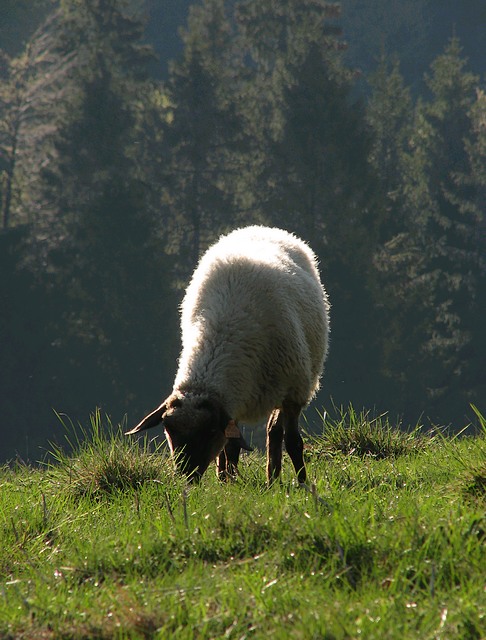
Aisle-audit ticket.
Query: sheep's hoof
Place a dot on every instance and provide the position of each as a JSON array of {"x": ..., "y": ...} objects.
[{"x": 226, "y": 476}]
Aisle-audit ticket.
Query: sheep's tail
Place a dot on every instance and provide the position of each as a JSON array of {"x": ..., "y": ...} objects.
[{"x": 152, "y": 420}]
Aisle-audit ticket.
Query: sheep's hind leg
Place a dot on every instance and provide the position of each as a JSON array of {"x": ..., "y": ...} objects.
[
  {"x": 293, "y": 440},
  {"x": 274, "y": 445}
]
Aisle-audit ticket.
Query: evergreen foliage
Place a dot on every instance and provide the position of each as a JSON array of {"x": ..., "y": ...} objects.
[
  {"x": 432, "y": 263},
  {"x": 113, "y": 182},
  {"x": 203, "y": 135}
]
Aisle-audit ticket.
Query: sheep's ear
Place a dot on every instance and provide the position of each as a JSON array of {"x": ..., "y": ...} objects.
[
  {"x": 232, "y": 431},
  {"x": 152, "y": 420}
]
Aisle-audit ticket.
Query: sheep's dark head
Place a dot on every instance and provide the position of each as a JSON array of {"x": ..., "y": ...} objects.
[{"x": 196, "y": 427}]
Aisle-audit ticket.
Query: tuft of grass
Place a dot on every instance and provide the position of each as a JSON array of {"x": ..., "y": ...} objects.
[
  {"x": 358, "y": 434},
  {"x": 103, "y": 461},
  {"x": 474, "y": 478},
  {"x": 474, "y": 484}
]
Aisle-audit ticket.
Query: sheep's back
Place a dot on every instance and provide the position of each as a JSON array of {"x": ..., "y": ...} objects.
[{"x": 254, "y": 323}]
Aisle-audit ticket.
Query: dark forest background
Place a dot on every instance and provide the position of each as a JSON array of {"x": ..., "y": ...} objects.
[{"x": 132, "y": 134}]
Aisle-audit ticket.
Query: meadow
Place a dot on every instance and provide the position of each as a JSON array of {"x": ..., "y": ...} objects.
[{"x": 388, "y": 541}]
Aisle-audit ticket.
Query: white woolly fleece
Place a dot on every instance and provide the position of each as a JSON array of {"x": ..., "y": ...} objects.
[{"x": 255, "y": 323}]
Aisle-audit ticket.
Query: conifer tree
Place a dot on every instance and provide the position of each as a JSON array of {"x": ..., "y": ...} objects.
[
  {"x": 93, "y": 236},
  {"x": 203, "y": 133},
  {"x": 30, "y": 87},
  {"x": 432, "y": 264},
  {"x": 312, "y": 174},
  {"x": 264, "y": 127},
  {"x": 389, "y": 114},
  {"x": 12, "y": 94}
]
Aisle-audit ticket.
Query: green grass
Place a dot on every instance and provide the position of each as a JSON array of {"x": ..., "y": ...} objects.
[{"x": 390, "y": 543}]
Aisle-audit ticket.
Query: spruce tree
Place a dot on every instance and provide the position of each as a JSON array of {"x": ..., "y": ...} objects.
[
  {"x": 94, "y": 236},
  {"x": 12, "y": 95},
  {"x": 389, "y": 114},
  {"x": 432, "y": 269},
  {"x": 203, "y": 133},
  {"x": 312, "y": 174}
]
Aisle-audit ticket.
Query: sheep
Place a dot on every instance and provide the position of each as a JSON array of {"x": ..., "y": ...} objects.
[{"x": 255, "y": 331}]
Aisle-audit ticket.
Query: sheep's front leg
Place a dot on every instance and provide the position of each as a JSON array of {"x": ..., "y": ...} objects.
[
  {"x": 293, "y": 440},
  {"x": 274, "y": 445},
  {"x": 227, "y": 462}
]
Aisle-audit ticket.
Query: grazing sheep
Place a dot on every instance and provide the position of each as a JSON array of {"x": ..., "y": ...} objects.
[{"x": 255, "y": 332}]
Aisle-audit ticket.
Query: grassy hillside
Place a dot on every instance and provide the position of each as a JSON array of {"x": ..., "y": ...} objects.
[{"x": 389, "y": 543}]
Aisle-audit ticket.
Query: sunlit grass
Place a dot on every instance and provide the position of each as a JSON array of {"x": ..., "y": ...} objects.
[
  {"x": 104, "y": 461},
  {"x": 360, "y": 434},
  {"x": 108, "y": 542},
  {"x": 474, "y": 477}
]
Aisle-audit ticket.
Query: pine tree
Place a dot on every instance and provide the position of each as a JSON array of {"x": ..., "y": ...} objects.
[
  {"x": 264, "y": 129},
  {"x": 203, "y": 132},
  {"x": 12, "y": 93},
  {"x": 473, "y": 378},
  {"x": 94, "y": 236},
  {"x": 30, "y": 85},
  {"x": 431, "y": 266},
  {"x": 311, "y": 172},
  {"x": 279, "y": 40},
  {"x": 390, "y": 116}
]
